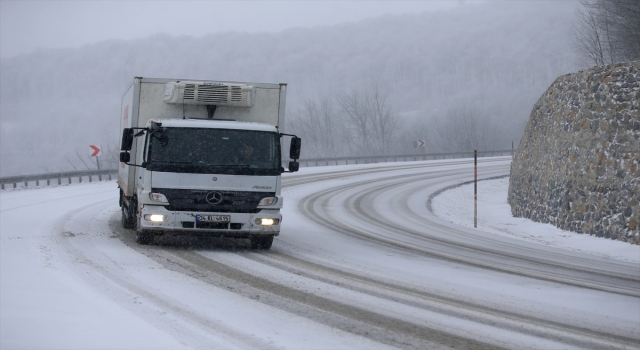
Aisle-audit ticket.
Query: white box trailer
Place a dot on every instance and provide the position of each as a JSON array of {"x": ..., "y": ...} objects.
[{"x": 203, "y": 158}]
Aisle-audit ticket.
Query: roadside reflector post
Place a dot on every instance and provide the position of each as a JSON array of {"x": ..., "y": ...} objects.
[{"x": 475, "y": 188}]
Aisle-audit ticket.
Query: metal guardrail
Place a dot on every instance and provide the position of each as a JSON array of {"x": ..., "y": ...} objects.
[
  {"x": 58, "y": 178},
  {"x": 399, "y": 158},
  {"x": 67, "y": 177}
]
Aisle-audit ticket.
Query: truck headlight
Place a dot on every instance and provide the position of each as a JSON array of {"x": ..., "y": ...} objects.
[
  {"x": 158, "y": 197},
  {"x": 155, "y": 217},
  {"x": 267, "y": 221},
  {"x": 268, "y": 201}
]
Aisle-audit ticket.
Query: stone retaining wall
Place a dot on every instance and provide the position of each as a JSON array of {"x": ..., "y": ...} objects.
[{"x": 578, "y": 163}]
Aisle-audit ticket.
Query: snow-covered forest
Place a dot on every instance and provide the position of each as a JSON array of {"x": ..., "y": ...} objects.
[{"x": 460, "y": 79}]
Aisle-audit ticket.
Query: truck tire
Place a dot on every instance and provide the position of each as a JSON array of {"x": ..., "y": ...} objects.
[
  {"x": 128, "y": 218},
  {"x": 263, "y": 242},
  {"x": 129, "y": 213},
  {"x": 144, "y": 237}
]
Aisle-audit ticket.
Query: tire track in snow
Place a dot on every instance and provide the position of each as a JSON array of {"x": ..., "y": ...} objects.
[
  {"x": 372, "y": 325},
  {"x": 364, "y": 192},
  {"x": 105, "y": 274},
  {"x": 442, "y": 304},
  {"x": 473, "y": 252}
]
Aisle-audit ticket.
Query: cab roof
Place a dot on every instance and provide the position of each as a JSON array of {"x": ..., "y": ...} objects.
[{"x": 214, "y": 124}]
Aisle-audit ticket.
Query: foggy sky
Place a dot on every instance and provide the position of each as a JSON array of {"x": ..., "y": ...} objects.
[
  {"x": 28, "y": 25},
  {"x": 493, "y": 59}
]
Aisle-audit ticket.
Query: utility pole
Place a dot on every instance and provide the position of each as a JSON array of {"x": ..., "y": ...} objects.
[{"x": 475, "y": 188}]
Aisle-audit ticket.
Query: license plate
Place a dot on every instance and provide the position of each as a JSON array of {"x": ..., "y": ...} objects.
[{"x": 213, "y": 218}]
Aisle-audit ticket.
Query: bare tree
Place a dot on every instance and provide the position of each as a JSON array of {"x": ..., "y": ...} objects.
[
  {"x": 357, "y": 117},
  {"x": 320, "y": 126},
  {"x": 608, "y": 31},
  {"x": 624, "y": 17},
  {"x": 371, "y": 121},
  {"x": 385, "y": 119},
  {"x": 587, "y": 41}
]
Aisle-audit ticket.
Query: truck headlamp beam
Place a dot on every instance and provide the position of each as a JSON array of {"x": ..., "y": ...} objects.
[
  {"x": 267, "y": 221},
  {"x": 155, "y": 217}
]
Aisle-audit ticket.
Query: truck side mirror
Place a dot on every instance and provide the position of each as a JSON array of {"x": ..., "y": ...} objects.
[
  {"x": 125, "y": 157},
  {"x": 127, "y": 140},
  {"x": 294, "y": 150},
  {"x": 294, "y": 166}
]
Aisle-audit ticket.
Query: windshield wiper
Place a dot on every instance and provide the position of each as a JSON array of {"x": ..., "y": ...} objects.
[{"x": 168, "y": 162}]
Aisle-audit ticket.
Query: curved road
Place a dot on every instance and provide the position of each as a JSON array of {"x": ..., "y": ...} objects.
[{"x": 360, "y": 263}]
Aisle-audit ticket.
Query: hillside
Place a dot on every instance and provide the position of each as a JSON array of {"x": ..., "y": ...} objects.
[{"x": 494, "y": 59}]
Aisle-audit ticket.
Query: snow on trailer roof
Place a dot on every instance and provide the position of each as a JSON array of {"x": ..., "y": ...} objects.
[{"x": 215, "y": 124}]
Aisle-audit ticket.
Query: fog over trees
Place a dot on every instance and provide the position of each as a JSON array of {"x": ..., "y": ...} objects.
[
  {"x": 608, "y": 31},
  {"x": 461, "y": 79}
]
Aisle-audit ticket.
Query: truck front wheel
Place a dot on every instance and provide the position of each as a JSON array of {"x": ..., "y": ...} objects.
[
  {"x": 261, "y": 242},
  {"x": 128, "y": 217}
]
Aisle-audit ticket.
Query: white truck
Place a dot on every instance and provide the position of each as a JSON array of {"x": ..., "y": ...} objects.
[{"x": 203, "y": 158}]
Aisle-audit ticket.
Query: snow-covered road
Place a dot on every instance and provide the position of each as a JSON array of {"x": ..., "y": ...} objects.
[{"x": 360, "y": 263}]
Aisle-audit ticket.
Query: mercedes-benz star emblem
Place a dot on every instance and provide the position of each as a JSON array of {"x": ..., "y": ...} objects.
[{"x": 214, "y": 197}]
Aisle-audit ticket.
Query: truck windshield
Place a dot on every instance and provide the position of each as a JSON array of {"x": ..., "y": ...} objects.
[{"x": 214, "y": 151}]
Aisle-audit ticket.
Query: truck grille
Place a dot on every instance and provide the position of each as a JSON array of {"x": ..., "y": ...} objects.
[{"x": 229, "y": 201}]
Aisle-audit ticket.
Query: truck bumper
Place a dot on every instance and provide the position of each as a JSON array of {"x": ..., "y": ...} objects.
[{"x": 185, "y": 223}]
